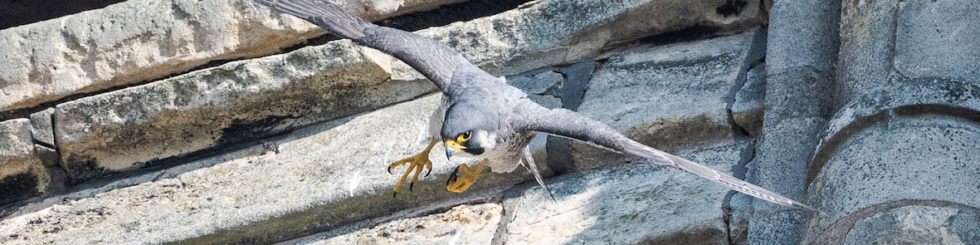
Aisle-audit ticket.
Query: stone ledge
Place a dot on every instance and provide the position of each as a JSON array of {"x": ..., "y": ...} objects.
[
  {"x": 140, "y": 40},
  {"x": 669, "y": 97},
  {"x": 309, "y": 181},
  {"x": 546, "y": 33},
  {"x": 116, "y": 132},
  {"x": 115, "y": 46},
  {"x": 238, "y": 101},
  {"x": 463, "y": 224},
  {"x": 22, "y": 174},
  {"x": 661, "y": 206},
  {"x": 625, "y": 204}
]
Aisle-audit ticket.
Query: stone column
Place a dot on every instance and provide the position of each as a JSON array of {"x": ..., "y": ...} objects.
[
  {"x": 801, "y": 51},
  {"x": 898, "y": 162}
]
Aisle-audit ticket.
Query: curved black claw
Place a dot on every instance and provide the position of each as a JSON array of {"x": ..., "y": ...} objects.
[
  {"x": 453, "y": 176},
  {"x": 410, "y": 186},
  {"x": 394, "y": 195},
  {"x": 389, "y": 170},
  {"x": 427, "y": 173}
]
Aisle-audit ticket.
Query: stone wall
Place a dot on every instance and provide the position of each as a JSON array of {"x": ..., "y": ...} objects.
[{"x": 214, "y": 122}]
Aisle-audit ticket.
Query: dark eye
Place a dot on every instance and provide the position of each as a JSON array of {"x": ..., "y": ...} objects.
[{"x": 465, "y": 136}]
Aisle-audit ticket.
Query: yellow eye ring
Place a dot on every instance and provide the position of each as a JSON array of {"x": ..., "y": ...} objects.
[{"x": 464, "y": 137}]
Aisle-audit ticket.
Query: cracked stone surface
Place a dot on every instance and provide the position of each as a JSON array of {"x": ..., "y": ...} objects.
[
  {"x": 178, "y": 116},
  {"x": 293, "y": 147},
  {"x": 668, "y": 97},
  {"x": 625, "y": 204},
  {"x": 937, "y": 39},
  {"x": 41, "y": 127},
  {"x": 917, "y": 225},
  {"x": 747, "y": 111},
  {"x": 463, "y": 224},
  {"x": 22, "y": 174},
  {"x": 306, "y": 182},
  {"x": 922, "y": 157},
  {"x": 140, "y": 40},
  {"x": 901, "y": 126},
  {"x": 235, "y": 102},
  {"x": 115, "y": 46},
  {"x": 545, "y": 33}
]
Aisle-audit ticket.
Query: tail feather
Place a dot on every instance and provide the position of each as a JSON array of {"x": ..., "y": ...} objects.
[{"x": 533, "y": 168}]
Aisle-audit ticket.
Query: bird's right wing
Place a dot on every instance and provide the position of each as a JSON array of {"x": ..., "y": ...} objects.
[
  {"x": 565, "y": 123},
  {"x": 433, "y": 59}
]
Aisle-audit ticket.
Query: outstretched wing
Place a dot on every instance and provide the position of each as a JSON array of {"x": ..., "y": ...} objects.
[
  {"x": 569, "y": 124},
  {"x": 433, "y": 59}
]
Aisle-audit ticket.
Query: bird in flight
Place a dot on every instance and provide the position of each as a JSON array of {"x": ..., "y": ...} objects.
[{"x": 481, "y": 116}]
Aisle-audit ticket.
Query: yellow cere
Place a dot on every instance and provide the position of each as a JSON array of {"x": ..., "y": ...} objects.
[
  {"x": 461, "y": 138},
  {"x": 454, "y": 145}
]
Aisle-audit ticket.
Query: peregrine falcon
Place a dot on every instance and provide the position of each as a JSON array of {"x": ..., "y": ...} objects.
[{"x": 481, "y": 115}]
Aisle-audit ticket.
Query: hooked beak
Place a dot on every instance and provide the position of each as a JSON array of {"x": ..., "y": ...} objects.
[{"x": 451, "y": 147}]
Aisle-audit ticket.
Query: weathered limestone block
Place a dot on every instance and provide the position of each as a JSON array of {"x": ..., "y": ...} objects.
[
  {"x": 625, "y": 204},
  {"x": 938, "y": 39},
  {"x": 312, "y": 180},
  {"x": 749, "y": 105},
  {"x": 464, "y": 224},
  {"x": 170, "y": 128},
  {"x": 546, "y": 33},
  {"x": 915, "y": 40},
  {"x": 42, "y": 130},
  {"x": 142, "y": 40},
  {"x": 904, "y": 136},
  {"x": 22, "y": 174},
  {"x": 668, "y": 97},
  {"x": 867, "y": 32},
  {"x": 41, "y": 127},
  {"x": 237, "y": 101},
  {"x": 918, "y": 225},
  {"x": 913, "y": 159}
]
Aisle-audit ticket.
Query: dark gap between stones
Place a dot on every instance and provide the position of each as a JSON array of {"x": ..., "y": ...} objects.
[{"x": 21, "y": 12}]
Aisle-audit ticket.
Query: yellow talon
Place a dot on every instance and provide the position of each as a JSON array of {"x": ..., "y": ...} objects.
[
  {"x": 464, "y": 177},
  {"x": 417, "y": 163}
]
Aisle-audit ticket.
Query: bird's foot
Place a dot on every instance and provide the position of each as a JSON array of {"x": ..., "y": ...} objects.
[
  {"x": 463, "y": 177},
  {"x": 417, "y": 163}
]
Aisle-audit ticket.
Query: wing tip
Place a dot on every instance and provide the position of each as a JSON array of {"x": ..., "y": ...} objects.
[{"x": 326, "y": 14}]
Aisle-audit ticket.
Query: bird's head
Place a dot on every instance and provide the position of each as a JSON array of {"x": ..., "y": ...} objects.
[{"x": 468, "y": 131}]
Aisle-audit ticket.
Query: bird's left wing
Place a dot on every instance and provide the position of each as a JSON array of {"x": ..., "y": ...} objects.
[
  {"x": 433, "y": 59},
  {"x": 565, "y": 123}
]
